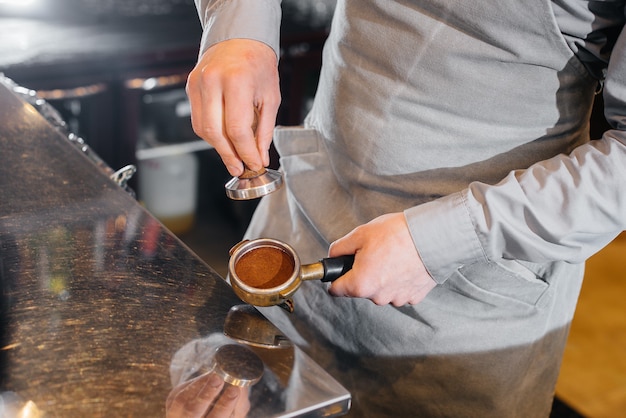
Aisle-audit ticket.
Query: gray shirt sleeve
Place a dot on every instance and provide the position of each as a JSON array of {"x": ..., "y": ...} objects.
[
  {"x": 247, "y": 19},
  {"x": 565, "y": 208}
]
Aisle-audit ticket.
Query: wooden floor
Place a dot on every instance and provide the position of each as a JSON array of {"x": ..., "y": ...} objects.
[{"x": 593, "y": 374}]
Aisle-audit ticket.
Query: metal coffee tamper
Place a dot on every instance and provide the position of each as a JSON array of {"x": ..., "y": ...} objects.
[{"x": 254, "y": 184}]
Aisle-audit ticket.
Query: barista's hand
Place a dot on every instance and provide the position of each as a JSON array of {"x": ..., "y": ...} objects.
[
  {"x": 207, "y": 393},
  {"x": 232, "y": 80},
  {"x": 387, "y": 267}
]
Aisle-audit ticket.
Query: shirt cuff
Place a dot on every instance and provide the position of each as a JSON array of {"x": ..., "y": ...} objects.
[
  {"x": 242, "y": 19},
  {"x": 444, "y": 235}
]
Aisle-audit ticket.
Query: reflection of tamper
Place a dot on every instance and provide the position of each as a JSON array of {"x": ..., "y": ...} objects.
[
  {"x": 237, "y": 365},
  {"x": 246, "y": 325},
  {"x": 254, "y": 184}
]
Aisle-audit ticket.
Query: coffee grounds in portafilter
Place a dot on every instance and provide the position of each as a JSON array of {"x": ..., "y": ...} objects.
[{"x": 264, "y": 267}]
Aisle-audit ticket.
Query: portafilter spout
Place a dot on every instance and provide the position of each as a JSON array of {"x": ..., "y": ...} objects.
[{"x": 254, "y": 184}]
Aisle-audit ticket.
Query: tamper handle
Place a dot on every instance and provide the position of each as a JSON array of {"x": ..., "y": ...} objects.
[{"x": 335, "y": 267}]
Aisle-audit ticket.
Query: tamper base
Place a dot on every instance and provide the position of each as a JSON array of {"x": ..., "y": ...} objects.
[{"x": 240, "y": 188}]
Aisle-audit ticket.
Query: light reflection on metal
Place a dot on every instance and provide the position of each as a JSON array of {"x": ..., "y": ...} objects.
[
  {"x": 124, "y": 174},
  {"x": 43, "y": 107},
  {"x": 72, "y": 93},
  {"x": 152, "y": 83}
]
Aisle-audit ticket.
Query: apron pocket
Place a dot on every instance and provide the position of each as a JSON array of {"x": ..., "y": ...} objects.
[{"x": 499, "y": 283}]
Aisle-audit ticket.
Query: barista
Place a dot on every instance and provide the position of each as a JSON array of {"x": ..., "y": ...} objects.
[{"x": 448, "y": 149}]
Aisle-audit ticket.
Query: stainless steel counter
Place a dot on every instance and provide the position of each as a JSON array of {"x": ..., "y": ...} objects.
[{"x": 103, "y": 309}]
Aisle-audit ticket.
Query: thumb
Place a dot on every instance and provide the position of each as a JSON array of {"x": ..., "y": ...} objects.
[{"x": 344, "y": 246}]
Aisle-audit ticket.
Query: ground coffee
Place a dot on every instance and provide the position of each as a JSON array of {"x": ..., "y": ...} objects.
[{"x": 264, "y": 267}]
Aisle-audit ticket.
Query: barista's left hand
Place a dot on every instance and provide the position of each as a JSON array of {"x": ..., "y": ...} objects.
[
  {"x": 207, "y": 396},
  {"x": 387, "y": 267}
]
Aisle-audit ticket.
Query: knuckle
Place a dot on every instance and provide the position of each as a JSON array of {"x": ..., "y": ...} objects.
[
  {"x": 207, "y": 132},
  {"x": 191, "y": 81},
  {"x": 273, "y": 101},
  {"x": 362, "y": 290},
  {"x": 379, "y": 300},
  {"x": 238, "y": 132},
  {"x": 397, "y": 303},
  {"x": 207, "y": 72}
]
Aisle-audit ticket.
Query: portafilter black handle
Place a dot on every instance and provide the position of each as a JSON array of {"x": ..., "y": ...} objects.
[{"x": 335, "y": 267}]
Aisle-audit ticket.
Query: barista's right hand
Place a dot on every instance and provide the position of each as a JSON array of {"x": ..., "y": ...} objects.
[
  {"x": 232, "y": 81},
  {"x": 207, "y": 394}
]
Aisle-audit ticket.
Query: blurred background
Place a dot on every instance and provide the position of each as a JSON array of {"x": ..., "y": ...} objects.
[{"x": 116, "y": 70}]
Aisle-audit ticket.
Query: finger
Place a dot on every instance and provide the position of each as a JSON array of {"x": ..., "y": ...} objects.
[
  {"x": 243, "y": 404},
  {"x": 265, "y": 128},
  {"x": 205, "y": 99},
  {"x": 195, "y": 397},
  {"x": 206, "y": 89},
  {"x": 193, "y": 90},
  {"x": 340, "y": 287},
  {"x": 348, "y": 244},
  {"x": 215, "y": 132},
  {"x": 239, "y": 126},
  {"x": 354, "y": 284},
  {"x": 420, "y": 294},
  {"x": 345, "y": 285},
  {"x": 226, "y": 404}
]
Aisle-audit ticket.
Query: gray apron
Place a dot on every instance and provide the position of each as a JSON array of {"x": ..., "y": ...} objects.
[{"x": 399, "y": 121}]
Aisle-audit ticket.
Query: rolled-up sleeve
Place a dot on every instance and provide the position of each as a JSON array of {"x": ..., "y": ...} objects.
[
  {"x": 243, "y": 19},
  {"x": 562, "y": 209}
]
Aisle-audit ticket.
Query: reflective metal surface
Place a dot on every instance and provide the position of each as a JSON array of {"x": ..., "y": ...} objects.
[
  {"x": 254, "y": 186},
  {"x": 238, "y": 365},
  {"x": 103, "y": 311}
]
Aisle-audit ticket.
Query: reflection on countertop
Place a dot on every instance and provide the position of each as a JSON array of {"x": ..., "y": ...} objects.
[{"x": 98, "y": 298}]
